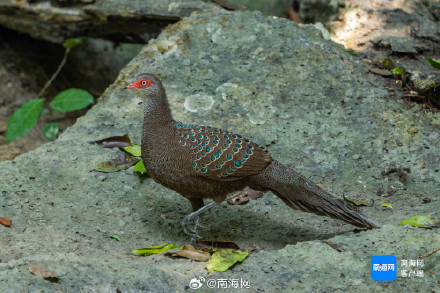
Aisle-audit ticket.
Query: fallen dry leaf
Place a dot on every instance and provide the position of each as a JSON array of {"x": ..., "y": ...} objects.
[
  {"x": 122, "y": 162},
  {"x": 379, "y": 71},
  {"x": 191, "y": 253},
  {"x": 40, "y": 271},
  {"x": 5, "y": 222},
  {"x": 245, "y": 196},
  {"x": 357, "y": 202},
  {"x": 217, "y": 245},
  {"x": 114, "y": 141}
]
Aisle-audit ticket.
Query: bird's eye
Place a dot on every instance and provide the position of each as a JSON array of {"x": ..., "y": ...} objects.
[{"x": 143, "y": 83}]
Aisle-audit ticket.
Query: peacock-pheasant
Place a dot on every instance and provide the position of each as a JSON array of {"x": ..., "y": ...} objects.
[{"x": 201, "y": 162}]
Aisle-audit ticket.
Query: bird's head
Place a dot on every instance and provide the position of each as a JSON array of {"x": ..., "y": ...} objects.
[{"x": 146, "y": 83}]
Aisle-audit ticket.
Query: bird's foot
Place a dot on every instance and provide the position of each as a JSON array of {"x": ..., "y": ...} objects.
[
  {"x": 195, "y": 244},
  {"x": 192, "y": 232}
]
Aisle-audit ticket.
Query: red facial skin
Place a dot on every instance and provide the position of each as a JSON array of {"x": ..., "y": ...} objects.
[{"x": 140, "y": 84}]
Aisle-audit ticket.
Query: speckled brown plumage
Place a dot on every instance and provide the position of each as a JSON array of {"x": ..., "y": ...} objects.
[{"x": 202, "y": 162}]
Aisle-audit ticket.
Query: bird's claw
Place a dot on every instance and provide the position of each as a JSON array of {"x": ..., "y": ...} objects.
[
  {"x": 195, "y": 244},
  {"x": 192, "y": 232}
]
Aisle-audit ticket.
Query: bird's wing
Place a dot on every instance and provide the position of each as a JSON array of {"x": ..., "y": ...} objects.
[{"x": 219, "y": 154}]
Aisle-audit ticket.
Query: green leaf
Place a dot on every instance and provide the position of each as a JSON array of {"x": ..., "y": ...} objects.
[
  {"x": 433, "y": 62},
  {"x": 107, "y": 167},
  {"x": 139, "y": 167},
  {"x": 23, "y": 119},
  {"x": 50, "y": 130},
  {"x": 222, "y": 260},
  {"x": 387, "y": 63},
  {"x": 116, "y": 236},
  {"x": 421, "y": 221},
  {"x": 133, "y": 149},
  {"x": 352, "y": 52},
  {"x": 71, "y": 100},
  {"x": 122, "y": 162},
  {"x": 73, "y": 42},
  {"x": 398, "y": 70},
  {"x": 191, "y": 253},
  {"x": 150, "y": 250}
]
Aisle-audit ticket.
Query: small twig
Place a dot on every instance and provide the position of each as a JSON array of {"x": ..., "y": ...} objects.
[
  {"x": 430, "y": 253},
  {"x": 418, "y": 97},
  {"x": 334, "y": 246},
  {"x": 228, "y": 5},
  {"x": 54, "y": 75}
]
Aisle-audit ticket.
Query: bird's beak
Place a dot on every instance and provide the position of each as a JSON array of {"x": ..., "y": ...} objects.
[{"x": 129, "y": 86}]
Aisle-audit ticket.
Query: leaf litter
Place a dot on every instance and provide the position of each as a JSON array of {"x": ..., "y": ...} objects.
[{"x": 41, "y": 271}]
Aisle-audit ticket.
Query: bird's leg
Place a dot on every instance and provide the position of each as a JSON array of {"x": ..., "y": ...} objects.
[
  {"x": 195, "y": 215},
  {"x": 197, "y": 225},
  {"x": 196, "y": 204}
]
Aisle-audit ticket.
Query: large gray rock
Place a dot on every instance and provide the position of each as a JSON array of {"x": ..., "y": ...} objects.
[
  {"x": 280, "y": 84},
  {"x": 56, "y": 21}
]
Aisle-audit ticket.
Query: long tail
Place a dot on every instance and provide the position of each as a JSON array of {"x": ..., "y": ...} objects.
[{"x": 300, "y": 193}]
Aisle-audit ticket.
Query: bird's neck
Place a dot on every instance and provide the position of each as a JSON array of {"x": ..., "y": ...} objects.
[{"x": 157, "y": 112}]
